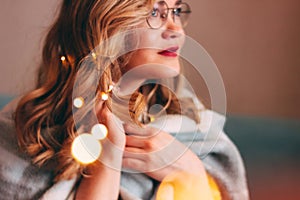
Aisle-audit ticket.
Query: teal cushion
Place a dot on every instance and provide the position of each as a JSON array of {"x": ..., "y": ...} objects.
[
  {"x": 4, "y": 99},
  {"x": 270, "y": 149},
  {"x": 265, "y": 139}
]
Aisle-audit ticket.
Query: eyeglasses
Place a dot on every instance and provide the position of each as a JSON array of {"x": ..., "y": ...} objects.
[{"x": 159, "y": 15}]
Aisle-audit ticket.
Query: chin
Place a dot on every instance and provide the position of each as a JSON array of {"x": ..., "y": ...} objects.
[
  {"x": 163, "y": 68},
  {"x": 171, "y": 72},
  {"x": 169, "y": 69}
]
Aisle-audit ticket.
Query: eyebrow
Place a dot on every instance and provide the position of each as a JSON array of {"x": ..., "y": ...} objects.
[{"x": 178, "y": 1}]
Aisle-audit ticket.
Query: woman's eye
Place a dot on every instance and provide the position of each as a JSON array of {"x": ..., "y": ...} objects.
[
  {"x": 177, "y": 11},
  {"x": 154, "y": 13}
]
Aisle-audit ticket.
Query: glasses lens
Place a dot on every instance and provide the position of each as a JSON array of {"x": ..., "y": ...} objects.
[
  {"x": 158, "y": 15},
  {"x": 182, "y": 13}
]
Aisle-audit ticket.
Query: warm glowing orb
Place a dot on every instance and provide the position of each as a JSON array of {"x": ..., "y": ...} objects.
[
  {"x": 94, "y": 55},
  {"x": 78, "y": 102},
  {"x": 86, "y": 148},
  {"x": 104, "y": 96},
  {"x": 99, "y": 131},
  {"x": 110, "y": 88},
  {"x": 183, "y": 185}
]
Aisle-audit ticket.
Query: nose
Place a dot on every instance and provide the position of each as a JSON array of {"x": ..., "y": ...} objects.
[{"x": 171, "y": 29}]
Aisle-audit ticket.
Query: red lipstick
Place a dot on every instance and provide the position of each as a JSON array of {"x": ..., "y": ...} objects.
[{"x": 169, "y": 52}]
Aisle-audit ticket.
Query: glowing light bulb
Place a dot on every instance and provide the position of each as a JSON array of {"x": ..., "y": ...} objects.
[
  {"x": 104, "y": 96},
  {"x": 78, "y": 102},
  {"x": 86, "y": 148},
  {"x": 152, "y": 118},
  {"x": 94, "y": 55},
  {"x": 63, "y": 58},
  {"x": 99, "y": 131},
  {"x": 110, "y": 87}
]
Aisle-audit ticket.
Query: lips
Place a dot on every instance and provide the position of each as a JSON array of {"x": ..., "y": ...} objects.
[{"x": 169, "y": 52}]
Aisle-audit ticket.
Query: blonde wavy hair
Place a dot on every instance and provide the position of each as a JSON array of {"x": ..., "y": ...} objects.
[{"x": 44, "y": 118}]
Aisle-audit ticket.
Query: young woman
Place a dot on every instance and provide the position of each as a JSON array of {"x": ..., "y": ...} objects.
[{"x": 93, "y": 45}]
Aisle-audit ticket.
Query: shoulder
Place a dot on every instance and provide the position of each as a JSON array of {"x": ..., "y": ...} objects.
[
  {"x": 9, "y": 147},
  {"x": 210, "y": 119},
  {"x": 21, "y": 179},
  {"x": 185, "y": 93}
]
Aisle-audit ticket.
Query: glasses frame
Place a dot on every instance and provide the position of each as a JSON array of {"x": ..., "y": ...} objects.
[{"x": 165, "y": 16}]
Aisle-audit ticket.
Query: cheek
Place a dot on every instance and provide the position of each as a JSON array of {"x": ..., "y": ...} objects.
[{"x": 149, "y": 40}]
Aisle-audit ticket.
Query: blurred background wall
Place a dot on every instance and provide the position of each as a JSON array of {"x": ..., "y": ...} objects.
[
  {"x": 23, "y": 25},
  {"x": 255, "y": 44}
]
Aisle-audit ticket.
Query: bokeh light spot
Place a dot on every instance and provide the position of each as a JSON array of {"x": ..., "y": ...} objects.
[
  {"x": 99, "y": 131},
  {"x": 86, "y": 148}
]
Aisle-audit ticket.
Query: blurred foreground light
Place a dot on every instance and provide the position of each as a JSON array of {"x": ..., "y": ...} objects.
[
  {"x": 110, "y": 88},
  {"x": 78, "y": 102},
  {"x": 104, "y": 96},
  {"x": 94, "y": 55},
  {"x": 183, "y": 185},
  {"x": 86, "y": 148},
  {"x": 99, "y": 131}
]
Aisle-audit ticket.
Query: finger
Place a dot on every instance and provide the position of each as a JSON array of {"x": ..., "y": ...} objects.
[
  {"x": 146, "y": 131},
  {"x": 135, "y": 164},
  {"x": 99, "y": 106},
  {"x": 103, "y": 112},
  {"x": 114, "y": 123},
  {"x": 134, "y": 153},
  {"x": 133, "y": 129},
  {"x": 114, "y": 126},
  {"x": 130, "y": 150},
  {"x": 133, "y": 141}
]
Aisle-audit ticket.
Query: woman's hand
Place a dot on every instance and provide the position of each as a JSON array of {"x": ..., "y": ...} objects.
[
  {"x": 116, "y": 134},
  {"x": 105, "y": 173},
  {"x": 158, "y": 154}
]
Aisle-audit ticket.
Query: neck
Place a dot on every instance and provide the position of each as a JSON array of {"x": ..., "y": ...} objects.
[{"x": 127, "y": 85}]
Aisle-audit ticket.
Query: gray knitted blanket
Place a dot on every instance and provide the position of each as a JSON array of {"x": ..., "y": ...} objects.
[{"x": 20, "y": 179}]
